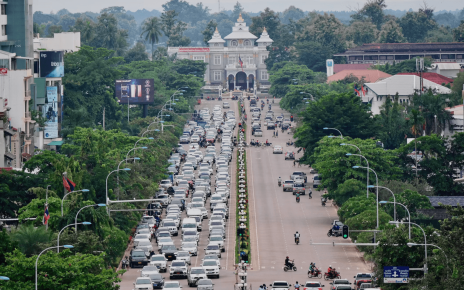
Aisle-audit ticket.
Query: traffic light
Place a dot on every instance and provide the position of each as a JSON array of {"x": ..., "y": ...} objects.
[{"x": 345, "y": 232}]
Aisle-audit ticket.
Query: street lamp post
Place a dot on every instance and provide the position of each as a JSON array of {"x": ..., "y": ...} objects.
[
  {"x": 62, "y": 200},
  {"x": 325, "y": 128},
  {"x": 361, "y": 156},
  {"x": 37, "y": 260},
  {"x": 409, "y": 215},
  {"x": 447, "y": 261},
  {"x": 135, "y": 148},
  {"x": 394, "y": 199},
  {"x": 94, "y": 205},
  {"x": 70, "y": 225},
  {"x": 125, "y": 160},
  {"x": 125, "y": 169},
  {"x": 154, "y": 130},
  {"x": 4, "y": 278},
  {"x": 425, "y": 241},
  {"x": 304, "y": 93},
  {"x": 377, "y": 182},
  {"x": 149, "y": 138}
]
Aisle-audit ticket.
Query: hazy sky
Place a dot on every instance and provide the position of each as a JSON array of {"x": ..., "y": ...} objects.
[{"x": 249, "y": 5}]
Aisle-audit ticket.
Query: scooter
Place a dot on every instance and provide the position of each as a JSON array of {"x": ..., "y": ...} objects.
[
  {"x": 316, "y": 273},
  {"x": 298, "y": 199},
  {"x": 323, "y": 201},
  {"x": 290, "y": 267},
  {"x": 279, "y": 183},
  {"x": 297, "y": 240}
]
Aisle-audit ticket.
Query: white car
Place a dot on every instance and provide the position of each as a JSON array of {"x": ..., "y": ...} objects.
[
  {"x": 190, "y": 247},
  {"x": 159, "y": 261},
  {"x": 165, "y": 241},
  {"x": 147, "y": 270},
  {"x": 184, "y": 139},
  {"x": 258, "y": 133},
  {"x": 165, "y": 183},
  {"x": 183, "y": 256},
  {"x": 280, "y": 285},
  {"x": 278, "y": 149},
  {"x": 312, "y": 285},
  {"x": 172, "y": 285},
  {"x": 178, "y": 269},
  {"x": 191, "y": 233},
  {"x": 217, "y": 240},
  {"x": 226, "y": 105},
  {"x": 213, "y": 249},
  {"x": 143, "y": 283},
  {"x": 211, "y": 267},
  {"x": 194, "y": 275},
  {"x": 195, "y": 139},
  {"x": 212, "y": 257}
]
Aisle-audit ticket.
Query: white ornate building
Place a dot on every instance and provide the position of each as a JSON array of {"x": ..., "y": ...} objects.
[{"x": 223, "y": 56}]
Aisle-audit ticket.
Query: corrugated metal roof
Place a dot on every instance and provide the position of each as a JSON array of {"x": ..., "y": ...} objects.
[
  {"x": 433, "y": 77},
  {"x": 340, "y": 67},
  {"x": 370, "y": 75},
  {"x": 446, "y": 200},
  {"x": 447, "y": 65},
  {"x": 404, "y": 85}
]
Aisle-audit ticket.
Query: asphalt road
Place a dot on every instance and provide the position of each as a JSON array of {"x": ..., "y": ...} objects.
[{"x": 274, "y": 218}]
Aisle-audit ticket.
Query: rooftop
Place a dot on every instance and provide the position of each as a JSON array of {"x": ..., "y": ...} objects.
[
  {"x": 339, "y": 67},
  {"x": 407, "y": 47},
  {"x": 370, "y": 75},
  {"x": 404, "y": 85},
  {"x": 240, "y": 30},
  {"x": 446, "y": 200},
  {"x": 433, "y": 77}
]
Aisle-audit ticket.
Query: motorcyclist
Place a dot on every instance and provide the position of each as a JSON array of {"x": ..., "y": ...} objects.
[
  {"x": 267, "y": 143},
  {"x": 312, "y": 267},
  {"x": 297, "y": 196},
  {"x": 279, "y": 181},
  {"x": 329, "y": 271},
  {"x": 335, "y": 227},
  {"x": 297, "y": 236},
  {"x": 297, "y": 286},
  {"x": 287, "y": 262}
]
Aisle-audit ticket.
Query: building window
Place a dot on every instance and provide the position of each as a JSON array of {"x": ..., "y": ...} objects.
[
  {"x": 5, "y": 63},
  {"x": 217, "y": 59},
  {"x": 216, "y": 45},
  {"x": 231, "y": 59},
  {"x": 249, "y": 60},
  {"x": 371, "y": 57},
  {"x": 3, "y": 9},
  {"x": 247, "y": 43},
  {"x": 264, "y": 75},
  {"x": 217, "y": 75},
  {"x": 459, "y": 56},
  {"x": 234, "y": 43},
  {"x": 199, "y": 57},
  {"x": 263, "y": 58},
  {"x": 3, "y": 32}
]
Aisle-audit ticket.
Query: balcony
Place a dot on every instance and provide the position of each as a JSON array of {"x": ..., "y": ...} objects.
[
  {"x": 27, "y": 97},
  {"x": 235, "y": 66}
]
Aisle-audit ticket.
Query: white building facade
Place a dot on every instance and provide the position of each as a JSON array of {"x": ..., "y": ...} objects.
[{"x": 236, "y": 62}]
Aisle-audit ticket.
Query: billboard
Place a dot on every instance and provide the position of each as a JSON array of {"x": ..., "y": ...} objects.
[
  {"x": 51, "y": 64},
  {"x": 135, "y": 92},
  {"x": 50, "y": 112}
]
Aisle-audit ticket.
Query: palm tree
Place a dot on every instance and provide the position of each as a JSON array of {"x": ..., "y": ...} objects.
[
  {"x": 152, "y": 30},
  {"x": 417, "y": 121},
  {"x": 30, "y": 239}
]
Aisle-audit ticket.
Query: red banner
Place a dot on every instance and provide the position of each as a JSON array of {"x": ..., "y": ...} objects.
[
  {"x": 3, "y": 71},
  {"x": 193, "y": 49}
]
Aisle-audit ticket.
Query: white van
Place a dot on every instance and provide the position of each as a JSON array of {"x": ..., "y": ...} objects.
[
  {"x": 317, "y": 179},
  {"x": 189, "y": 224}
]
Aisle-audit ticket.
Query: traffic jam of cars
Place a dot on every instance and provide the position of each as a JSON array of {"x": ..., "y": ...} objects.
[{"x": 183, "y": 233}]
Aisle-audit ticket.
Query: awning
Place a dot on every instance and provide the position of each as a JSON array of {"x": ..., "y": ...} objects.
[
  {"x": 9, "y": 156},
  {"x": 55, "y": 143},
  {"x": 9, "y": 131}
]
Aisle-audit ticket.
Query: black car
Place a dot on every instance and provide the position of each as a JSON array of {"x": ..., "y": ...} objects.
[
  {"x": 270, "y": 126},
  {"x": 138, "y": 258},
  {"x": 168, "y": 251},
  {"x": 157, "y": 280}
]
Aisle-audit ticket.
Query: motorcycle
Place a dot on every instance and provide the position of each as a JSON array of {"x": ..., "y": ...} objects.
[
  {"x": 279, "y": 183},
  {"x": 330, "y": 276},
  {"x": 323, "y": 201},
  {"x": 315, "y": 273},
  {"x": 290, "y": 267},
  {"x": 289, "y": 143},
  {"x": 297, "y": 240},
  {"x": 331, "y": 233},
  {"x": 298, "y": 199}
]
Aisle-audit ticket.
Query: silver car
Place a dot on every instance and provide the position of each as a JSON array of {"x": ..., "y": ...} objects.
[{"x": 205, "y": 284}]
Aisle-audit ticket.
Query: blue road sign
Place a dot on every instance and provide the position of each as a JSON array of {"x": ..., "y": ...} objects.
[{"x": 396, "y": 274}]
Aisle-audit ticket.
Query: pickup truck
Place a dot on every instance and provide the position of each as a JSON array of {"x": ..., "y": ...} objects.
[
  {"x": 299, "y": 173},
  {"x": 287, "y": 185},
  {"x": 298, "y": 187}
]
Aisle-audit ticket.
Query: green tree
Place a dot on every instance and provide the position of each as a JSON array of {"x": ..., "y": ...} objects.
[
  {"x": 416, "y": 25},
  {"x": 267, "y": 19},
  {"x": 330, "y": 160},
  {"x": 416, "y": 123},
  {"x": 342, "y": 111},
  {"x": 458, "y": 84},
  {"x": 190, "y": 67},
  {"x": 312, "y": 54},
  {"x": 372, "y": 11},
  {"x": 168, "y": 20},
  {"x": 52, "y": 29},
  {"x": 441, "y": 157},
  {"x": 432, "y": 107},
  {"x": 404, "y": 66},
  {"x": 87, "y": 29},
  {"x": 151, "y": 28},
  {"x": 412, "y": 200},
  {"x": 7, "y": 245},
  {"x": 367, "y": 220},
  {"x": 136, "y": 53},
  {"x": 291, "y": 14},
  {"x": 106, "y": 31},
  {"x": 392, "y": 121},
  {"x": 59, "y": 271},
  {"x": 391, "y": 32},
  {"x": 209, "y": 31},
  {"x": 356, "y": 205},
  {"x": 31, "y": 240},
  {"x": 362, "y": 32},
  {"x": 458, "y": 33},
  {"x": 38, "y": 28}
]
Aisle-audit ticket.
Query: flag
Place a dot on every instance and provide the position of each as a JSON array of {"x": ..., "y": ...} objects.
[
  {"x": 357, "y": 92},
  {"x": 68, "y": 184},
  {"x": 362, "y": 89},
  {"x": 240, "y": 62},
  {"x": 46, "y": 215}
]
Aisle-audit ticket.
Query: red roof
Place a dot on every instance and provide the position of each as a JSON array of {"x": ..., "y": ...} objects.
[
  {"x": 433, "y": 77},
  {"x": 357, "y": 66},
  {"x": 369, "y": 75}
]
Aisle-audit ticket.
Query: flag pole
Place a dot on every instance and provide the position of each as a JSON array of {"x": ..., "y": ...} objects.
[{"x": 46, "y": 204}]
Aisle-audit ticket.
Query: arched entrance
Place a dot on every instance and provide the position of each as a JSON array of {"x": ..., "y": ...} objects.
[
  {"x": 230, "y": 80},
  {"x": 241, "y": 80},
  {"x": 251, "y": 82}
]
